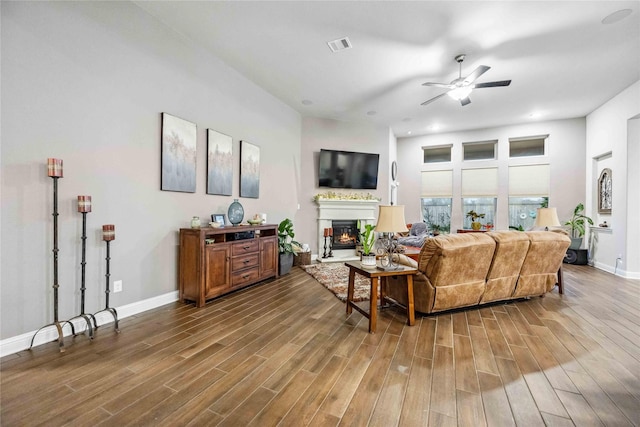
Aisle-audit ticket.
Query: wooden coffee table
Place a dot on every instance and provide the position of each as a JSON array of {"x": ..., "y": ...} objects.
[{"x": 375, "y": 275}]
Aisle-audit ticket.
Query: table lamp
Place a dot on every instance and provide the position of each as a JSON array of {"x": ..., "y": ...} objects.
[
  {"x": 390, "y": 221},
  {"x": 547, "y": 217}
]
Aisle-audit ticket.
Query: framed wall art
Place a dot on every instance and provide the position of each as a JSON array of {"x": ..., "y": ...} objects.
[
  {"x": 178, "y": 160},
  {"x": 219, "y": 163},
  {"x": 219, "y": 218},
  {"x": 249, "y": 170},
  {"x": 604, "y": 192}
]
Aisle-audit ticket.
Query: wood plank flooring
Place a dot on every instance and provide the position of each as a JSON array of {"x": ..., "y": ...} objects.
[{"x": 284, "y": 353}]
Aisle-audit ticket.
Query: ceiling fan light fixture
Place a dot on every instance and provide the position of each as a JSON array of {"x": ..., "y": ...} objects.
[{"x": 460, "y": 92}]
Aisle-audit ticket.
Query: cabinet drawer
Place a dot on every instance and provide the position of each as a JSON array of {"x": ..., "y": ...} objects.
[
  {"x": 244, "y": 247},
  {"x": 244, "y": 276},
  {"x": 238, "y": 263}
]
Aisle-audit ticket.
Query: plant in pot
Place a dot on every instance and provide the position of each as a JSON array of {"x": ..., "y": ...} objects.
[
  {"x": 285, "y": 245},
  {"x": 368, "y": 241},
  {"x": 577, "y": 226},
  {"x": 475, "y": 225}
]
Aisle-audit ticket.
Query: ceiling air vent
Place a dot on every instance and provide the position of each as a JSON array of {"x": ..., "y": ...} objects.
[{"x": 340, "y": 44}]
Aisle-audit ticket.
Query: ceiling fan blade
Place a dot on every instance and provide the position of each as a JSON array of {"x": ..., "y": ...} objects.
[
  {"x": 442, "y": 85},
  {"x": 465, "y": 101},
  {"x": 476, "y": 73},
  {"x": 493, "y": 84},
  {"x": 433, "y": 99}
]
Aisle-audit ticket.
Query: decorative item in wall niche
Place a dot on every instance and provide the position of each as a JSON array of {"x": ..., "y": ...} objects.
[
  {"x": 219, "y": 163},
  {"x": 604, "y": 192},
  {"x": 179, "y": 140},
  {"x": 249, "y": 170}
]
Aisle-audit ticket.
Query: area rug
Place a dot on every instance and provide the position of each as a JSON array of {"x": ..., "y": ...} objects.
[{"x": 335, "y": 277}]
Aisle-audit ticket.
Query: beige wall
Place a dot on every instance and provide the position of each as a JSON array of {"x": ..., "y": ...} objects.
[
  {"x": 86, "y": 82},
  {"x": 336, "y": 135},
  {"x": 566, "y": 151}
]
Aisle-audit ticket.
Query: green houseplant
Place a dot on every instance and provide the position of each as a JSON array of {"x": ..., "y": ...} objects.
[
  {"x": 368, "y": 241},
  {"x": 577, "y": 226},
  {"x": 285, "y": 245},
  {"x": 474, "y": 219}
]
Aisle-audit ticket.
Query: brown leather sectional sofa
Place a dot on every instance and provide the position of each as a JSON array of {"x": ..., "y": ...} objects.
[{"x": 462, "y": 270}]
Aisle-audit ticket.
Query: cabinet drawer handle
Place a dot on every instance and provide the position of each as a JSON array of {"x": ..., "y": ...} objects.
[
  {"x": 246, "y": 247},
  {"x": 246, "y": 261},
  {"x": 245, "y": 276}
]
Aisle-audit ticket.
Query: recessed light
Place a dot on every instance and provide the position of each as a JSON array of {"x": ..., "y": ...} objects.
[
  {"x": 435, "y": 127},
  {"x": 409, "y": 133},
  {"x": 616, "y": 16},
  {"x": 307, "y": 102},
  {"x": 371, "y": 113}
]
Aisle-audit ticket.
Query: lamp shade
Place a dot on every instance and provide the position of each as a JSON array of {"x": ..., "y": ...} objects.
[
  {"x": 547, "y": 217},
  {"x": 391, "y": 219}
]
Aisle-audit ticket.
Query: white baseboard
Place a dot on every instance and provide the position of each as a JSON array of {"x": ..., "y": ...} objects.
[
  {"x": 618, "y": 272},
  {"x": 22, "y": 342}
]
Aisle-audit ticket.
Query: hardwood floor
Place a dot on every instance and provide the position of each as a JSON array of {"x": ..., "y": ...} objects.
[{"x": 282, "y": 353}]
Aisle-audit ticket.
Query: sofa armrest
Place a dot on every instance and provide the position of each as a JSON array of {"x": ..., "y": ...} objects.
[{"x": 406, "y": 261}]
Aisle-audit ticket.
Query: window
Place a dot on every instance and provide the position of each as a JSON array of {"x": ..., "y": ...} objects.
[
  {"x": 479, "y": 194},
  {"x": 479, "y": 150},
  {"x": 528, "y": 146},
  {"x": 481, "y": 205},
  {"x": 437, "y": 154},
  {"x": 523, "y": 211},
  {"x": 436, "y": 213},
  {"x": 437, "y": 188}
]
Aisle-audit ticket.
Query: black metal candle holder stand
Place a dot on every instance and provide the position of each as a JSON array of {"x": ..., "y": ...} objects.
[
  {"x": 87, "y": 317},
  {"x": 324, "y": 255},
  {"x": 330, "y": 247},
  {"x": 108, "y": 309},
  {"x": 59, "y": 325}
]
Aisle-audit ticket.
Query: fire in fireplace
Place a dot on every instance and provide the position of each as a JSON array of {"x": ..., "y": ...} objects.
[{"x": 345, "y": 234}]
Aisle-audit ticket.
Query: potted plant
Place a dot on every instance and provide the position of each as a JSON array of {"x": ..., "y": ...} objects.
[
  {"x": 577, "y": 226},
  {"x": 475, "y": 225},
  {"x": 285, "y": 245},
  {"x": 368, "y": 241}
]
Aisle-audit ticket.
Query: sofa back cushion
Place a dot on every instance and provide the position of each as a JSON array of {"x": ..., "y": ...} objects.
[
  {"x": 511, "y": 250},
  {"x": 456, "y": 266},
  {"x": 539, "y": 272}
]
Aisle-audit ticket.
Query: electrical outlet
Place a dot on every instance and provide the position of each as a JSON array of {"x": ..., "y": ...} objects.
[
  {"x": 620, "y": 257},
  {"x": 117, "y": 286}
]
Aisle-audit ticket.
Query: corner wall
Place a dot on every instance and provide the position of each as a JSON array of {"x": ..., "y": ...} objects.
[
  {"x": 610, "y": 129},
  {"x": 86, "y": 82},
  {"x": 337, "y": 135}
]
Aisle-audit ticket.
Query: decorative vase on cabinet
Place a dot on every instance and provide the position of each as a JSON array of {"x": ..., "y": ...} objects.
[{"x": 235, "y": 212}]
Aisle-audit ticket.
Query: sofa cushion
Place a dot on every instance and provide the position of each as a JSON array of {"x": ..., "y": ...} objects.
[
  {"x": 539, "y": 272},
  {"x": 511, "y": 250},
  {"x": 456, "y": 265}
]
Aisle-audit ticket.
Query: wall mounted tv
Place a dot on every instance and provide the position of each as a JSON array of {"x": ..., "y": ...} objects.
[{"x": 347, "y": 169}]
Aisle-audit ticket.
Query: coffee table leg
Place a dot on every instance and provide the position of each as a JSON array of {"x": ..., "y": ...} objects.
[
  {"x": 411, "y": 311},
  {"x": 373, "y": 307},
  {"x": 352, "y": 277}
]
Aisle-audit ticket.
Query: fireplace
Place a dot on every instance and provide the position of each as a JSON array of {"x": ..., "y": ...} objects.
[
  {"x": 353, "y": 210},
  {"x": 345, "y": 234}
]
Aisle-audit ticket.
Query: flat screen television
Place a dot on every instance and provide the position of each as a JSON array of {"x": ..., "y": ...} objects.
[{"x": 347, "y": 169}]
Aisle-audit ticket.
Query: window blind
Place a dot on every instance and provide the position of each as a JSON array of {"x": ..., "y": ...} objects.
[
  {"x": 529, "y": 180},
  {"x": 480, "y": 182},
  {"x": 437, "y": 183}
]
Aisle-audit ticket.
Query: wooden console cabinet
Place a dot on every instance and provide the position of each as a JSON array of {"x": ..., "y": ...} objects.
[{"x": 214, "y": 261}]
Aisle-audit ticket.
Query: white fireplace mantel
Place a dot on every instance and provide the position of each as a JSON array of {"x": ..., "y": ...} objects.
[{"x": 335, "y": 209}]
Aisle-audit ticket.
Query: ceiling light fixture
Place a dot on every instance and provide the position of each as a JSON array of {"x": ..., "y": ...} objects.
[
  {"x": 460, "y": 93},
  {"x": 616, "y": 16}
]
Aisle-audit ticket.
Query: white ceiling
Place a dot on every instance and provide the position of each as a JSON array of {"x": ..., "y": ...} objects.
[{"x": 562, "y": 60}]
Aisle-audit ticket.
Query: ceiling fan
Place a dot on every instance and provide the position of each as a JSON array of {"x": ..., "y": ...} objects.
[{"x": 460, "y": 88}]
